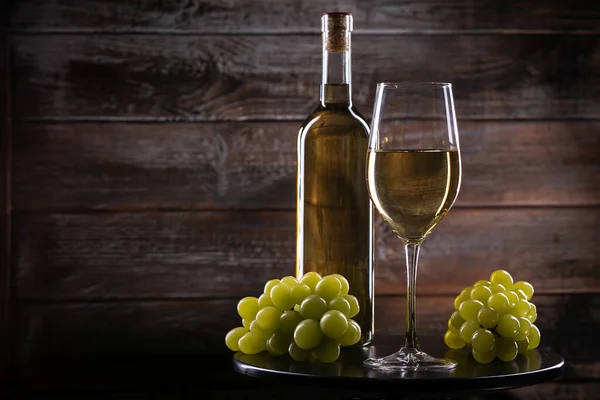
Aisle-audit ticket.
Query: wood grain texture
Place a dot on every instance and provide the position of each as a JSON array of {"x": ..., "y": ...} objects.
[
  {"x": 85, "y": 166},
  {"x": 242, "y": 16},
  {"x": 161, "y": 329},
  {"x": 155, "y": 166},
  {"x": 5, "y": 145},
  {"x": 196, "y": 255},
  {"x": 209, "y": 78}
]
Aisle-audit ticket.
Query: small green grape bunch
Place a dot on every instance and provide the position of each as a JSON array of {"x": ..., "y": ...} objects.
[
  {"x": 308, "y": 318},
  {"x": 495, "y": 318}
]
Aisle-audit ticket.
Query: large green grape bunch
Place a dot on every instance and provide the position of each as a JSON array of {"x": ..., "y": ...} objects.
[
  {"x": 308, "y": 319},
  {"x": 495, "y": 318}
]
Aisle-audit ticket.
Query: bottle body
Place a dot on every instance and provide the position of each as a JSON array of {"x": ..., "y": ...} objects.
[{"x": 334, "y": 210}]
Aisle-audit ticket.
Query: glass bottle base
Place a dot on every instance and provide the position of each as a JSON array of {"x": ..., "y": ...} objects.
[{"x": 410, "y": 360}]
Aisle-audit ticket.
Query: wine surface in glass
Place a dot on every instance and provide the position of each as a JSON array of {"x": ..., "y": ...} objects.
[{"x": 413, "y": 189}]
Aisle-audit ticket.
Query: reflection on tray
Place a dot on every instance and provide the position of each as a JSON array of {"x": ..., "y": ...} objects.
[
  {"x": 468, "y": 367},
  {"x": 350, "y": 365}
]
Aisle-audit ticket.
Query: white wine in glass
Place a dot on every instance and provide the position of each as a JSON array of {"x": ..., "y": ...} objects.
[{"x": 413, "y": 175}]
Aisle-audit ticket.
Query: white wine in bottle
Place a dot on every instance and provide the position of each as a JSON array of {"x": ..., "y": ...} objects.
[{"x": 335, "y": 214}]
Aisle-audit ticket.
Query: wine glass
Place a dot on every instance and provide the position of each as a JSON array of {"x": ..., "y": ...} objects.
[{"x": 413, "y": 175}]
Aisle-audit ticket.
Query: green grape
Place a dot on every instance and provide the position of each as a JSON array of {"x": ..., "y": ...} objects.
[
  {"x": 259, "y": 332},
  {"x": 251, "y": 344},
  {"x": 508, "y": 326},
  {"x": 483, "y": 341},
  {"x": 521, "y": 294},
  {"x": 289, "y": 320},
  {"x": 265, "y": 301},
  {"x": 482, "y": 282},
  {"x": 354, "y": 306},
  {"x": 481, "y": 293},
  {"x": 524, "y": 329},
  {"x": 452, "y": 329},
  {"x": 522, "y": 308},
  {"x": 484, "y": 358},
  {"x": 465, "y": 294},
  {"x": 533, "y": 308},
  {"x": 352, "y": 334},
  {"x": 488, "y": 317},
  {"x": 455, "y": 322},
  {"x": 248, "y": 307},
  {"x": 281, "y": 296},
  {"x": 268, "y": 318},
  {"x": 499, "y": 302},
  {"x": 526, "y": 287},
  {"x": 297, "y": 307},
  {"x": 327, "y": 351},
  {"x": 340, "y": 304},
  {"x": 453, "y": 341},
  {"x": 534, "y": 338},
  {"x": 344, "y": 282},
  {"x": 457, "y": 302},
  {"x": 233, "y": 336},
  {"x": 299, "y": 292},
  {"x": 506, "y": 349},
  {"x": 512, "y": 297},
  {"x": 297, "y": 353},
  {"x": 311, "y": 279},
  {"x": 467, "y": 329},
  {"x": 313, "y": 307},
  {"x": 289, "y": 281},
  {"x": 532, "y": 316},
  {"x": 497, "y": 288},
  {"x": 278, "y": 343},
  {"x": 307, "y": 334},
  {"x": 328, "y": 288},
  {"x": 270, "y": 285},
  {"x": 271, "y": 351},
  {"x": 246, "y": 323},
  {"x": 333, "y": 324},
  {"x": 503, "y": 278},
  {"x": 523, "y": 345},
  {"x": 469, "y": 309}
]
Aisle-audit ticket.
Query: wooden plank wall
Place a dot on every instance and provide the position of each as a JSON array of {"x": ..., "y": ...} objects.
[
  {"x": 5, "y": 116},
  {"x": 153, "y": 167}
]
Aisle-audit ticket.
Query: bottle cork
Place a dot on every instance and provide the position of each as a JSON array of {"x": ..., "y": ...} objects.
[{"x": 336, "y": 27}]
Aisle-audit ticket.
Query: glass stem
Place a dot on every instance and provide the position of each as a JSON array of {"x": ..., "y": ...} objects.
[{"x": 411, "y": 251}]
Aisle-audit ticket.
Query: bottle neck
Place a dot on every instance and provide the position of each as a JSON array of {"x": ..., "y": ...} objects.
[{"x": 336, "y": 83}]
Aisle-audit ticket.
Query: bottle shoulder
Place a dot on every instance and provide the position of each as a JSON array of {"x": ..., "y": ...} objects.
[{"x": 337, "y": 116}]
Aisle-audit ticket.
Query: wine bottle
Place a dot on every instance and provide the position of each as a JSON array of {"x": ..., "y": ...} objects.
[{"x": 334, "y": 212}]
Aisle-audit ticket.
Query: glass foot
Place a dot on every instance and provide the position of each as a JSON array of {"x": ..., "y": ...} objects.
[{"x": 410, "y": 360}]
